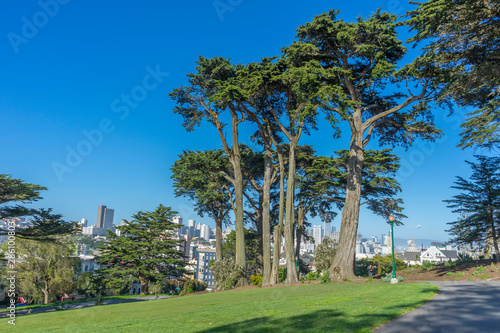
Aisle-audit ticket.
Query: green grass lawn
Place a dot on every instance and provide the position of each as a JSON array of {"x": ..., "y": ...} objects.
[
  {"x": 356, "y": 307},
  {"x": 35, "y": 306}
]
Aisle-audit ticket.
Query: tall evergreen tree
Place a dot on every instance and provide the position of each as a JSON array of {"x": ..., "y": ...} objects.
[
  {"x": 461, "y": 39},
  {"x": 146, "y": 249},
  {"x": 359, "y": 60},
  {"x": 214, "y": 91},
  {"x": 478, "y": 204},
  {"x": 201, "y": 177}
]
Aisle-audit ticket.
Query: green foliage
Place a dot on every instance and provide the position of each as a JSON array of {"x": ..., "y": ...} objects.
[
  {"x": 460, "y": 274},
  {"x": 325, "y": 253},
  {"x": 47, "y": 270},
  {"x": 146, "y": 249},
  {"x": 252, "y": 239},
  {"x": 493, "y": 267},
  {"x": 311, "y": 276},
  {"x": 362, "y": 266},
  {"x": 256, "y": 280},
  {"x": 226, "y": 273},
  {"x": 464, "y": 258},
  {"x": 450, "y": 264},
  {"x": 485, "y": 276},
  {"x": 427, "y": 265},
  {"x": 462, "y": 41},
  {"x": 388, "y": 278},
  {"x": 384, "y": 264},
  {"x": 450, "y": 273},
  {"x": 370, "y": 279},
  {"x": 325, "y": 277},
  {"x": 477, "y": 203},
  {"x": 46, "y": 226},
  {"x": 281, "y": 274}
]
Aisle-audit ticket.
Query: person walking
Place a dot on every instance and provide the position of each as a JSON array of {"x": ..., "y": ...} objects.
[{"x": 370, "y": 271}]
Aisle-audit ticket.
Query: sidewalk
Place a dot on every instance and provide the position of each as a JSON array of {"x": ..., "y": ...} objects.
[
  {"x": 20, "y": 311},
  {"x": 459, "y": 307}
]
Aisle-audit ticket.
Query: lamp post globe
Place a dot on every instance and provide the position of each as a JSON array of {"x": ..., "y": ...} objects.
[{"x": 394, "y": 279}]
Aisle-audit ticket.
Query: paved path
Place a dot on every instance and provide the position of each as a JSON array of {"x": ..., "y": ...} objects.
[
  {"x": 458, "y": 307},
  {"x": 20, "y": 311}
]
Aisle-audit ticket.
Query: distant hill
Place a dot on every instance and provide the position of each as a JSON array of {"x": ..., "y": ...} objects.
[{"x": 402, "y": 242}]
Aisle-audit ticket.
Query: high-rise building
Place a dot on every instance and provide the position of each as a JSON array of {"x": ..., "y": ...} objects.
[
  {"x": 317, "y": 234},
  {"x": 177, "y": 220},
  {"x": 205, "y": 232},
  {"x": 191, "y": 223},
  {"x": 84, "y": 223},
  {"x": 328, "y": 228},
  {"x": 101, "y": 211},
  {"x": 108, "y": 219}
]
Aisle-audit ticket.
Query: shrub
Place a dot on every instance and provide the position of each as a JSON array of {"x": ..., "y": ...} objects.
[
  {"x": 325, "y": 277},
  {"x": 460, "y": 274},
  {"x": 480, "y": 268},
  {"x": 188, "y": 289},
  {"x": 464, "y": 257},
  {"x": 281, "y": 274},
  {"x": 450, "y": 264},
  {"x": 370, "y": 279},
  {"x": 450, "y": 274},
  {"x": 485, "y": 276},
  {"x": 388, "y": 278},
  {"x": 256, "y": 280},
  {"x": 492, "y": 267},
  {"x": 311, "y": 276},
  {"x": 226, "y": 273},
  {"x": 427, "y": 265}
]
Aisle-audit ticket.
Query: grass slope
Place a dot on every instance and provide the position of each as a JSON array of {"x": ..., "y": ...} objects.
[{"x": 355, "y": 307}]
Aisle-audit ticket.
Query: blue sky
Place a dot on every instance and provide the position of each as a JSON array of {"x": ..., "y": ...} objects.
[{"x": 67, "y": 69}]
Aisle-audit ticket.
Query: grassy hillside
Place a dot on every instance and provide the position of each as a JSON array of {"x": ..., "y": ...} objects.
[{"x": 350, "y": 307}]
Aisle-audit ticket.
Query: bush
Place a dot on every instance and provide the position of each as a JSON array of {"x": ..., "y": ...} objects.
[
  {"x": 256, "y": 280},
  {"x": 427, "y": 265},
  {"x": 480, "y": 268},
  {"x": 388, "y": 278},
  {"x": 281, "y": 274},
  {"x": 464, "y": 257},
  {"x": 311, "y": 276},
  {"x": 449, "y": 274},
  {"x": 492, "y": 267},
  {"x": 485, "y": 276},
  {"x": 325, "y": 277},
  {"x": 460, "y": 274},
  {"x": 450, "y": 264},
  {"x": 226, "y": 273}
]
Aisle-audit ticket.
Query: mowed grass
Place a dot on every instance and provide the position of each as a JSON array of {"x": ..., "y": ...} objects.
[{"x": 353, "y": 307}]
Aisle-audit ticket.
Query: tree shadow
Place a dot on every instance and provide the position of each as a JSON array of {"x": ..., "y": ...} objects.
[{"x": 315, "y": 321}]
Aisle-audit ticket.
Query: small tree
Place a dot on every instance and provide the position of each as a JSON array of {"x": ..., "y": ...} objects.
[
  {"x": 46, "y": 269},
  {"x": 226, "y": 273},
  {"x": 146, "y": 248},
  {"x": 325, "y": 253}
]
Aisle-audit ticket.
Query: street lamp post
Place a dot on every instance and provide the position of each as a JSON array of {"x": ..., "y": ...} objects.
[{"x": 394, "y": 279}]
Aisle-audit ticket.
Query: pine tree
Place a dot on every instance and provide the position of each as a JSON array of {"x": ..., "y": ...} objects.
[
  {"x": 478, "y": 204},
  {"x": 147, "y": 249}
]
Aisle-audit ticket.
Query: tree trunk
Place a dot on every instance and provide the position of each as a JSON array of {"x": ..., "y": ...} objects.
[
  {"x": 238, "y": 202},
  {"x": 494, "y": 236},
  {"x": 291, "y": 275},
  {"x": 144, "y": 285},
  {"x": 218, "y": 238},
  {"x": 278, "y": 230},
  {"x": 266, "y": 223},
  {"x": 299, "y": 232},
  {"x": 45, "y": 292},
  {"x": 343, "y": 263}
]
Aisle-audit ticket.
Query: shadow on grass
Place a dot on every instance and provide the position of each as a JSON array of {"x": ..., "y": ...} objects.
[{"x": 316, "y": 321}]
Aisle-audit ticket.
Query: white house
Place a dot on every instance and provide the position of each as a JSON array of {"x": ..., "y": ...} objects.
[{"x": 437, "y": 255}]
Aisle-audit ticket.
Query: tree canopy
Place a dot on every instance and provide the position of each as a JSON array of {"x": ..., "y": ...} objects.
[
  {"x": 146, "y": 248},
  {"x": 461, "y": 38}
]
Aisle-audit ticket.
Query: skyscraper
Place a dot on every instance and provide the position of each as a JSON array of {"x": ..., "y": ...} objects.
[
  {"x": 101, "y": 210},
  {"x": 191, "y": 223},
  {"x": 205, "y": 232},
  {"x": 317, "y": 234},
  {"x": 108, "y": 218}
]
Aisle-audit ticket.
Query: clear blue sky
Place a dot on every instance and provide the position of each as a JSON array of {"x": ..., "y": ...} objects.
[{"x": 69, "y": 71}]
